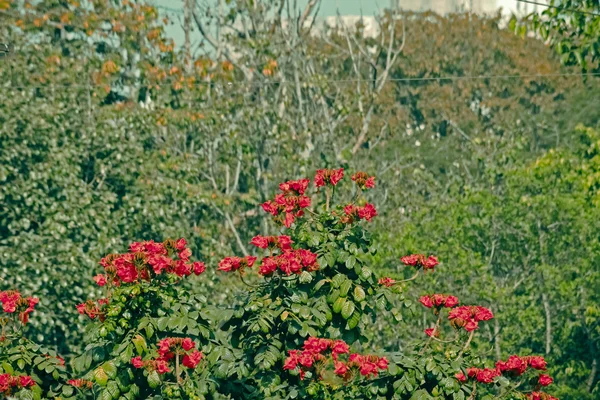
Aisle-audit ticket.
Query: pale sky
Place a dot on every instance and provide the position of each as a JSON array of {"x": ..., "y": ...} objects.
[
  {"x": 328, "y": 8},
  {"x": 174, "y": 8}
]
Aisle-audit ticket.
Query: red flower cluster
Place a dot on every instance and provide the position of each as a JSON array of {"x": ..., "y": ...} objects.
[
  {"x": 439, "y": 301},
  {"x": 313, "y": 353},
  {"x": 368, "y": 365},
  {"x": 9, "y": 382},
  {"x": 290, "y": 262},
  {"x": 167, "y": 348},
  {"x": 484, "y": 375},
  {"x": 147, "y": 258},
  {"x": 363, "y": 180},
  {"x": 282, "y": 242},
  {"x": 328, "y": 176},
  {"x": 93, "y": 309},
  {"x": 420, "y": 261},
  {"x": 386, "y": 281},
  {"x": 469, "y": 317},
  {"x": 13, "y": 302},
  {"x": 516, "y": 365},
  {"x": 290, "y": 203},
  {"x": 354, "y": 213},
  {"x": 513, "y": 366},
  {"x": 229, "y": 264},
  {"x": 81, "y": 383},
  {"x": 540, "y": 396}
]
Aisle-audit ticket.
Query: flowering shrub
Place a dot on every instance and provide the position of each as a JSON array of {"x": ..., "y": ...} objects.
[
  {"x": 301, "y": 332},
  {"x": 27, "y": 370},
  {"x": 144, "y": 304},
  {"x": 330, "y": 366},
  {"x": 316, "y": 284}
]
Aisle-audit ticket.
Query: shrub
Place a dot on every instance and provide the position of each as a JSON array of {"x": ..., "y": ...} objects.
[{"x": 302, "y": 331}]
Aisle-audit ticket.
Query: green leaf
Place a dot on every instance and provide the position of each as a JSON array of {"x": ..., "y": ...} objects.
[
  {"x": 337, "y": 280},
  {"x": 319, "y": 285},
  {"x": 345, "y": 288},
  {"x": 354, "y": 320},
  {"x": 153, "y": 379},
  {"x": 110, "y": 369},
  {"x": 359, "y": 293},
  {"x": 347, "y": 309},
  {"x": 365, "y": 273},
  {"x": 100, "y": 376},
  {"x": 305, "y": 277},
  {"x": 338, "y": 305},
  {"x": 350, "y": 262},
  {"x": 113, "y": 389}
]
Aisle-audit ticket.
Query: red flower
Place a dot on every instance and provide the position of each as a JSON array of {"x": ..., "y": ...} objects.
[
  {"x": 486, "y": 375},
  {"x": 367, "y": 212},
  {"x": 315, "y": 345},
  {"x": 426, "y": 301},
  {"x": 353, "y": 212},
  {"x": 545, "y": 380},
  {"x": 420, "y": 261},
  {"x": 537, "y": 362},
  {"x": 164, "y": 346},
  {"x": 137, "y": 362},
  {"x": 472, "y": 372},
  {"x": 368, "y": 368},
  {"x": 260, "y": 241},
  {"x": 26, "y": 381},
  {"x": 290, "y": 262},
  {"x": 451, "y": 301},
  {"x": 430, "y": 262},
  {"x": 306, "y": 359},
  {"x": 386, "y": 281},
  {"x": 161, "y": 366},
  {"x": 469, "y": 316},
  {"x": 182, "y": 269},
  {"x": 185, "y": 254},
  {"x": 284, "y": 242},
  {"x": 292, "y": 361},
  {"x": 188, "y": 344},
  {"x": 270, "y": 207},
  {"x": 100, "y": 280},
  {"x": 438, "y": 301},
  {"x": 515, "y": 365},
  {"x": 540, "y": 396},
  {"x": 199, "y": 267},
  {"x": 193, "y": 359},
  {"x": 180, "y": 244},
  {"x": 431, "y": 332},
  {"x": 382, "y": 363},
  {"x": 363, "y": 180},
  {"x": 340, "y": 368},
  {"x": 339, "y": 347},
  {"x": 328, "y": 176},
  {"x": 80, "y": 383},
  {"x": 461, "y": 377}
]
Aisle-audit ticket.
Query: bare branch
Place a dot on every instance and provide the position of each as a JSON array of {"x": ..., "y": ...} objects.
[{"x": 307, "y": 11}]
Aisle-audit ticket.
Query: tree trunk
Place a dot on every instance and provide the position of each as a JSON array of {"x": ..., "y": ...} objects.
[
  {"x": 187, "y": 27},
  {"x": 592, "y": 377},
  {"x": 497, "y": 339},
  {"x": 548, "y": 323}
]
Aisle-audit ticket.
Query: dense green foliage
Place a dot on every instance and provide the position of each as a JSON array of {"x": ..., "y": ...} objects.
[{"x": 108, "y": 135}]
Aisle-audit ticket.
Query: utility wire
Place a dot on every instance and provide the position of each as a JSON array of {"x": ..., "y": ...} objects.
[
  {"x": 558, "y": 7},
  {"x": 343, "y": 81}
]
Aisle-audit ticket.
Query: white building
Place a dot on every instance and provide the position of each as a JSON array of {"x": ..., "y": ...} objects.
[{"x": 477, "y": 6}]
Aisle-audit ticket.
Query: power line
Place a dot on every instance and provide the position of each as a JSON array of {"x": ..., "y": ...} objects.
[
  {"x": 558, "y": 7},
  {"x": 342, "y": 81}
]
